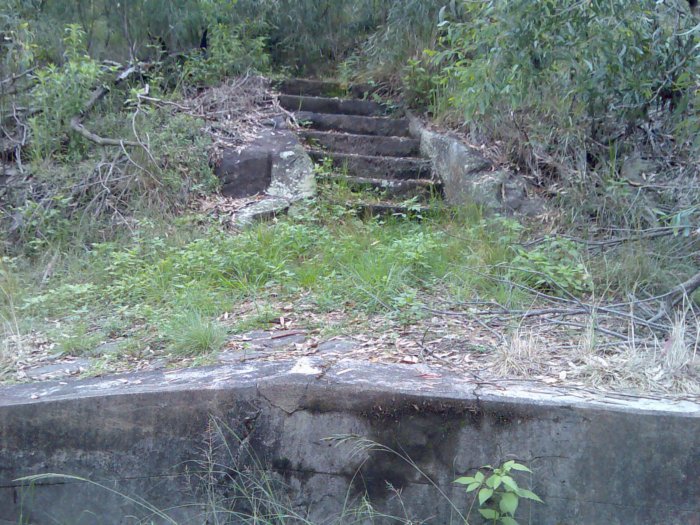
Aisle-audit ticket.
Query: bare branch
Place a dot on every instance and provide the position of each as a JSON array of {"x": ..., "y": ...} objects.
[
  {"x": 76, "y": 123},
  {"x": 676, "y": 295}
]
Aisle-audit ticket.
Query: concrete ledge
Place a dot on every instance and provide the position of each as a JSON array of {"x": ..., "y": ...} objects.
[{"x": 595, "y": 459}]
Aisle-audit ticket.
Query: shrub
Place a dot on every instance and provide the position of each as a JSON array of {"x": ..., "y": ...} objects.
[
  {"x": 554, "y": 266},
  {"x": 231, "y": 51},
  {"x": 59, "y": 95},
  {"x": 571, "y": 89}
]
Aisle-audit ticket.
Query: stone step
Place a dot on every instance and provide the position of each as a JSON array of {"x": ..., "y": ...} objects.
[
  {"x": 383, "y": 209},
  {"x": 362, "y": 144},
  {"x": 424, "y": 189},
  {"x": 322, "y": 88},
  {"x": 376, "y": 167},
  {"x": 360, "y": 125},
  {"x": 345, "y": 106}
]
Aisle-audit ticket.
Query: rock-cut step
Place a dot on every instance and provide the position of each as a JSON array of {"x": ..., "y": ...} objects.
[
  {"x": 371, "y": 145},
  {"x": 375, "y": 167},
  {"x": 421, "y": 188},
  {"x": 362, "y": 145},
  {"x": 321, "y": 88},
  {"x": 359, "y": 125},
  {"x": 338, "y": 106}
]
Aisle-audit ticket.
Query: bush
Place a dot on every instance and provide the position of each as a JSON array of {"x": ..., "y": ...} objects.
[
  {"x": 570, "y": 89},
  {"x": 60, "y": 94},
  {"x": 231, "y": 51},
  {"x": 555, "y": 266}
]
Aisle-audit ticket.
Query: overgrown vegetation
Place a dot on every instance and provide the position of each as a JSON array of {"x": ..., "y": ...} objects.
[
  {"x": 597, "y": 101},
  {"x": 110, "y": 115}
]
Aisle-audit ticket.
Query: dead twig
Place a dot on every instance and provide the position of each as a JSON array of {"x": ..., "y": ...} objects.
[
  {"x": 76, "y": 123},
  {"x": 674, "y": 296},
  {"x": 654, "y": 233}
]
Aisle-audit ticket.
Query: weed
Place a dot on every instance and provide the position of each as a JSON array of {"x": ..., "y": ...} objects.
[
  {"x": 498, "y": 494},
  {"x": 231, "y": 50},
  {"x": 61, "y": 92},
  {"x": 555, "y": 266},
  {"x": 78, "y": 339},
  {"x": 263, "y": 316}
]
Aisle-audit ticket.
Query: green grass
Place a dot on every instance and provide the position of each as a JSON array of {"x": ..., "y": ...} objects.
[
  {"x": 193, "y": 334},
  {"x": 78, "y": 340},
  {"x": 175, "y": 285},
  {"x": 160, "y": 292}
]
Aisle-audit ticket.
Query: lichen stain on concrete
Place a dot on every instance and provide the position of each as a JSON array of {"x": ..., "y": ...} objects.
[{"x": 305, "y": 366}]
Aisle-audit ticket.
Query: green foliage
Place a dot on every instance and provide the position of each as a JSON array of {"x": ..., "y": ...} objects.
[
  {"x": 65, "y": 299},
  {"x": 604, "y": 59},
  {"x": 78, "y": 340},
  {"x": 44, "y": 223},
  {"x": 555, "y": 265},
  {"x": 17, "y": 48},
  {"x": 498, "y": 494},
  {"x": 60, "y": 94},
  {"x": 231, "y": 51},
  {"x": 561, "y": 85},
  {"x": 419, "y": 83},
  {"x": 404, "y": 29},
  {"x": 179, "y": 167}
]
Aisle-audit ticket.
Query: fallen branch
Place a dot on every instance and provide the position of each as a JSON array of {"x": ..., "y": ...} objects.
[
  {"x": 14, "y": 78},
  {"x": 676, "y": 295},
  {"x": 76, "y": 123},
  {"x": 145, "y": 97},
  {"x": 654, "y": 233}
]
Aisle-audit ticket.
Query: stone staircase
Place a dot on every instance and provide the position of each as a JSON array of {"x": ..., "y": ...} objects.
[{"x": 361, "y": 144}]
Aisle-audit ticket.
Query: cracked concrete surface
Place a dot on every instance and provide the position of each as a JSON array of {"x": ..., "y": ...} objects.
[{"x": 595, "y": 459}]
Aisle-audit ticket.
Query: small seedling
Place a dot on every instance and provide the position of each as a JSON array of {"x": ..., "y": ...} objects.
[{"x": 498, "y": 494}]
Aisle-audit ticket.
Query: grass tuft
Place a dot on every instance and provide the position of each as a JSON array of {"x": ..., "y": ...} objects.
[{"x": 193, "y": 334}]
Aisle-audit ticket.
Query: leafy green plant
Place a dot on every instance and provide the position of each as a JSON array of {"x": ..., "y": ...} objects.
[
  {"x": 419, "y": 82},
  {"x": 505, "y": 50},
  {"x": 231, "y": 51},
  {"x": 44, "y": 222},
  {"x": 560, "y": 84},
  {"x": 60, "y": 93},
  {"x": 78, "y": 340},
  {"x": 498, "y": 493},
  {"x": 555, "y": 265}
]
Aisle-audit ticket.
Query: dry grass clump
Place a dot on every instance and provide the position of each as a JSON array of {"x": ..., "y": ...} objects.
[
  {"x": 12, "y": 348},
  {"x": 522, "y": 355},
  {"x": 669, "y": 366},
  {"x": 645, "y": 366}
]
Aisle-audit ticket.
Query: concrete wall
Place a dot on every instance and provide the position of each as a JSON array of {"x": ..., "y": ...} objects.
[{"x": 595, "y": 460}]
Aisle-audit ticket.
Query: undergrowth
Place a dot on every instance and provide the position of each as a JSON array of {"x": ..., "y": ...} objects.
[
  {"x": 337, "y": 261},
  {"x": 594, "y": 102},
  {"x": 161, "y": 292}
]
